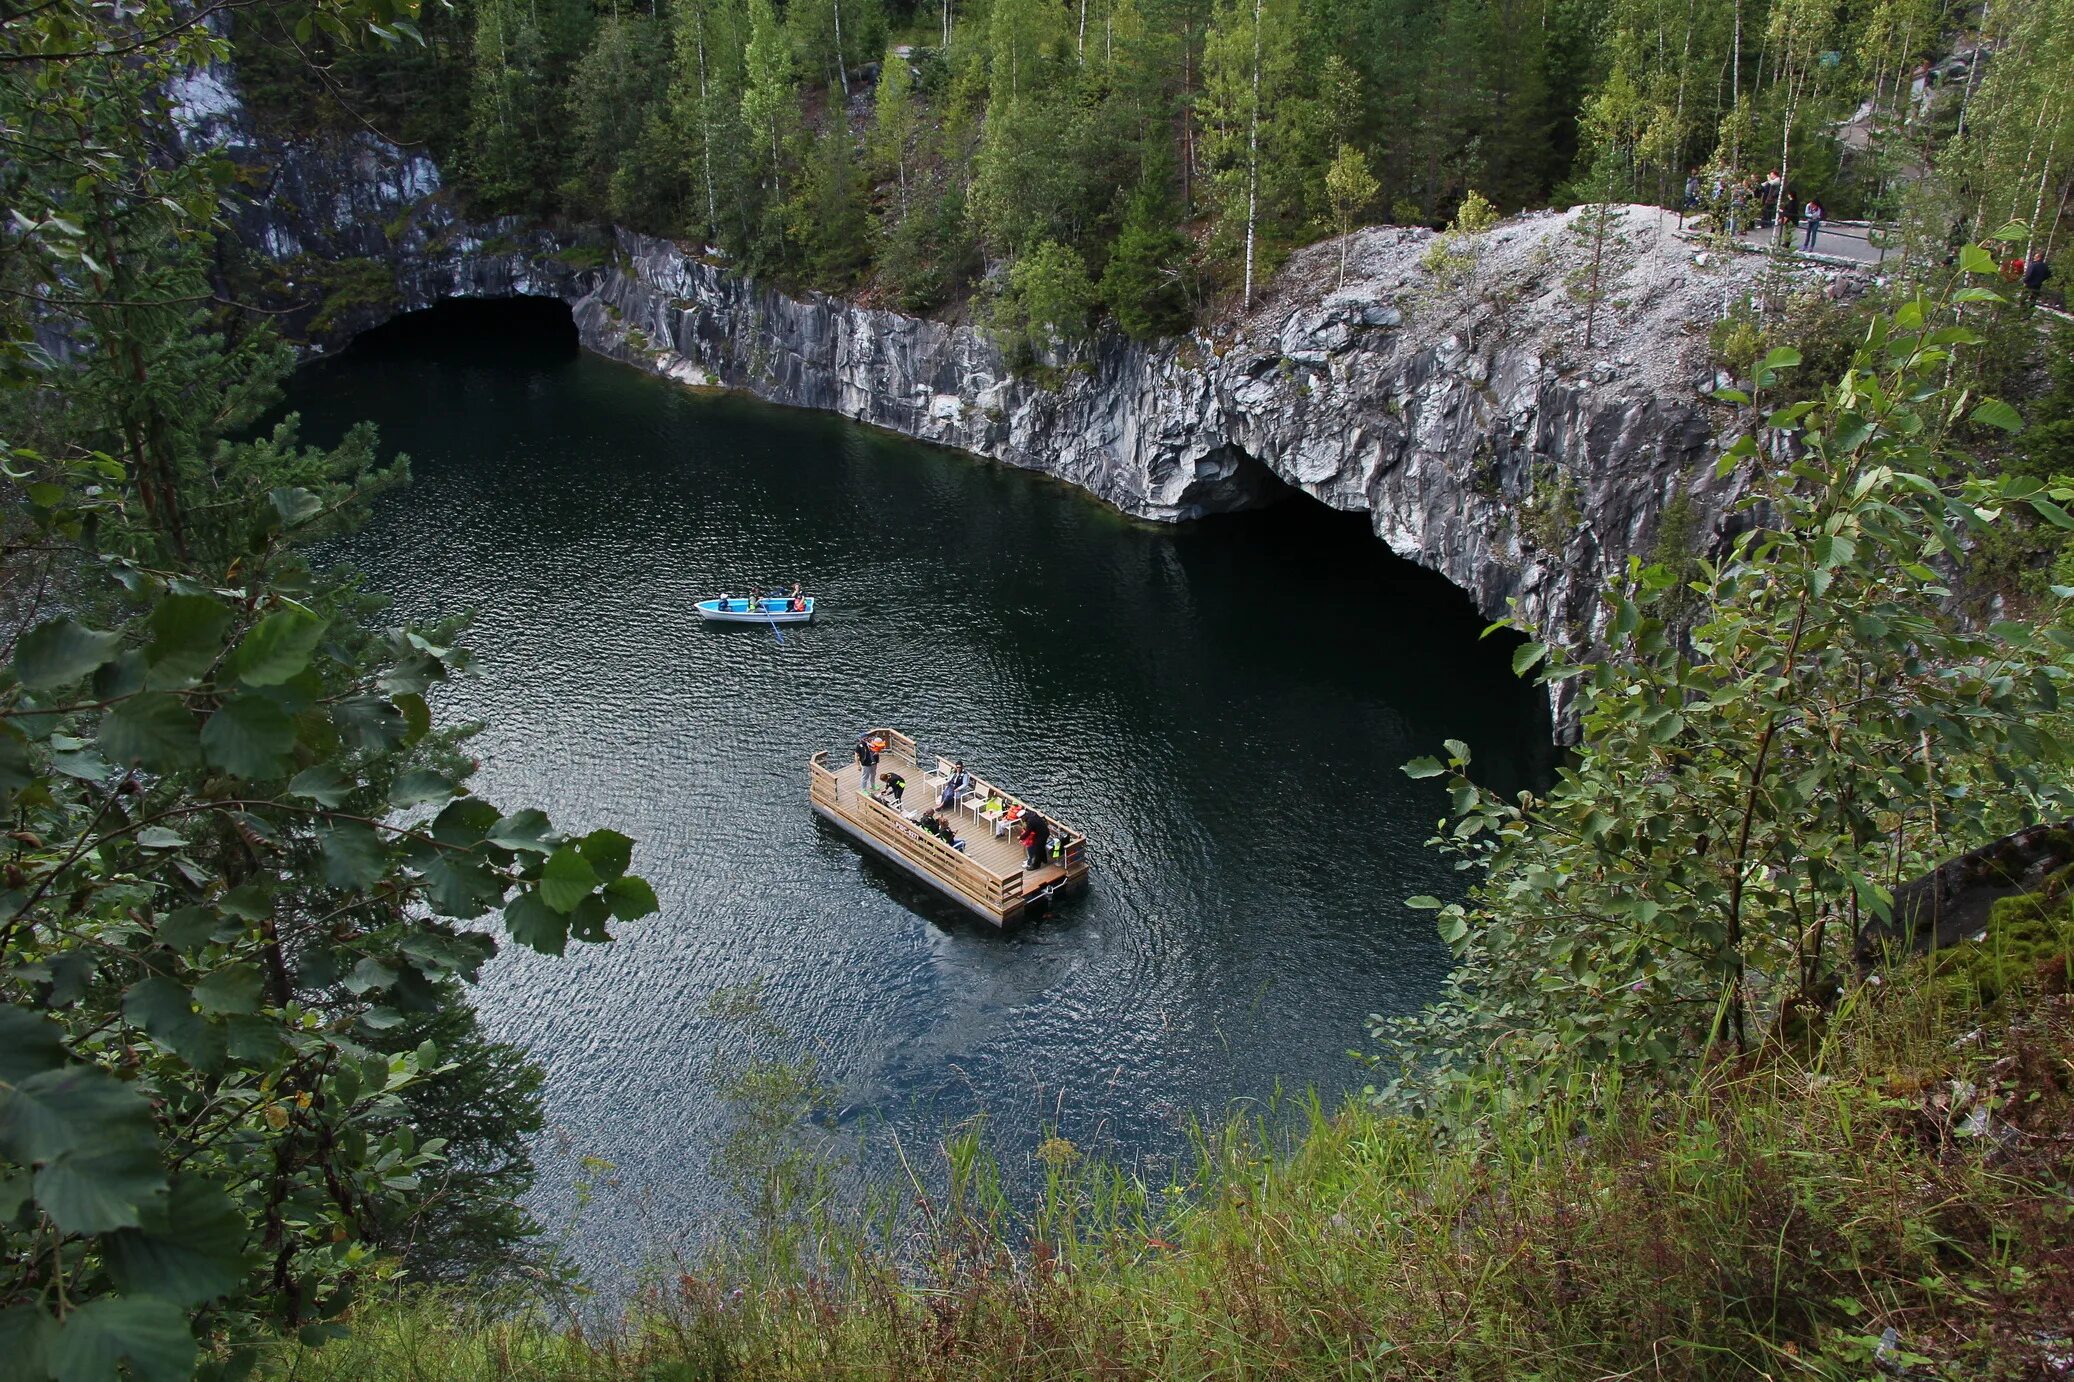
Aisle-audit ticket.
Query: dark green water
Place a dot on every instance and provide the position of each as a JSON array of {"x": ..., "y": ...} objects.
[{"x": 1222, "y": 708}]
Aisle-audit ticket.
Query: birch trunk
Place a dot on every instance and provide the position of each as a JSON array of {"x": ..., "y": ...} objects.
[{"x": 1252, "y": 162}]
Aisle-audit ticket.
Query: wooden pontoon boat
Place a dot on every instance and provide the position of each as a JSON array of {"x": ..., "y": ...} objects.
[{"x": 988, "y": 877}]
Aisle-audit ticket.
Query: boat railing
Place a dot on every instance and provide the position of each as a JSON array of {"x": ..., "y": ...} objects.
[
  {"x": 1075, "y": 842},
  {"x": 965, "y": 873},
  {"x": 821, "y": 781}
]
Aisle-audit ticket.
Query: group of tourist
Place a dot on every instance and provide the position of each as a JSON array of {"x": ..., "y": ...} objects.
[
  {"x": 1732, "y": 200},
  {"x": 794, "y": 600},
  {"x": 1033, "y": 832}
]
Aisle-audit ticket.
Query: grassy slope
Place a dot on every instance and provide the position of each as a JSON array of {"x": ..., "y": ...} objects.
[{"x": 1772, "y": 1219}]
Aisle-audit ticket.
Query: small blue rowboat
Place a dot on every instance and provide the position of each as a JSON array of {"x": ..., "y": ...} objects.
[{"x": 769, "y": 610}]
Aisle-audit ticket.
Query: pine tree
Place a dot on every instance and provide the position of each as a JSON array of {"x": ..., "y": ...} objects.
[
  {"x": 1024, "y": 186},
  {"x": 1597, "y": 225},
  {"x": 893, "y": 122},
  {"x": 1049, "y": 296},
  {"x": 616, "y": 87},
  {"x": 1145, "y": 283},
  {"x": 828, "y": 217},
  {"x": 1350, "y": 187}
]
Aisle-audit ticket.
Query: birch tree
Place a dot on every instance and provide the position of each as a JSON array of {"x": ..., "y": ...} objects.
[{"x": 1249, "y": 115}]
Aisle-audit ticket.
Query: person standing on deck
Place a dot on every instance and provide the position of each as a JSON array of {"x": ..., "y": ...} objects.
[
  {"x": 1814, "y": 214},
  {"x": 1036, "y": 835},
  {"x": 867, "y": 762}
]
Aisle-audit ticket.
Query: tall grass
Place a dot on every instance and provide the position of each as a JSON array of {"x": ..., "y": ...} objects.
[{"x": 1842, "y": 1211}]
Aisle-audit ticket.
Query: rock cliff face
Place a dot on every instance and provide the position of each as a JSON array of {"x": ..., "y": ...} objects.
[{"x": 1454, "y": 403}]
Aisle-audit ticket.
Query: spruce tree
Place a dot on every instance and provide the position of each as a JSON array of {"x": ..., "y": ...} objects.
[{"x": 1145, "y": 284}]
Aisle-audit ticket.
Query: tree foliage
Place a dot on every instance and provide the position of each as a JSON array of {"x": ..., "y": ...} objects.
[
  {"x": 242, "y": 860},
  {"x": 1746, "y": 796}
]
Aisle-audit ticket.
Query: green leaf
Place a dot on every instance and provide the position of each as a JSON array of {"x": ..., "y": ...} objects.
[
  {"x": 1993, "y": 412},
  {"x": 419, "y": 786},
  {"x": 191, "y": 928},
  {"x": 460, "y": 887},
  {"x": 231, "y": 989},
  {"x": 16, "y": 769},
  {"x": 464, "y": 821},
  {"x": 607, "y": 852},
  {"x": 29, "y": 1044},
  {"x": 2052, "y": 513},
  {"x": 190, "y": 1247},
  {"x": 417, "y": 716},
  {"x": 59, "y": 652},
  {"x": 368, "y": 975},
  {"x": 165, "y": 1010},
  {"x": 587, "y": 922},
  {"x": 523, "y": 831},
  {"x": 370, "y": 723},
  {"x": 631, "y": 898},
  {"x": 1526, "y": 656},
  {"x": 295, "y": 505},
  {"x": 187, "y": 637},
  {"x": 322, "y": 783},
  {"x": 256, "y": 1040},
  {"x": 54, "y": 1111},
  {"x": 26, "y": 1333},
  {"x": 566, "y": 879},
  {"x": 251, "y": 901},
  {"x": 96, "y": 1189},
  {"x": 155, "y": 730},
  {"x": 1424, "y": 767},
  {"x": 150, "y": 1335},
  {"x": 277, "y": 647},
  {"x": 249, "y": 737},
  {"x": 532, "y": 922},
  {"x": 353, "y": 856},
  {"x": 1780, "y": 357},
  {"x": 1975, "y": 260},
  {"x": 158, "y": 837},
  {"x": 119, "y": 678}
]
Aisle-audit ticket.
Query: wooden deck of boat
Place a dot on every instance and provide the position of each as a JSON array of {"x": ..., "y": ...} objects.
[{"x": 987, "y": 876}]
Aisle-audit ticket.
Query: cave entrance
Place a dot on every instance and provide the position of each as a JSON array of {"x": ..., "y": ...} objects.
[
  {"x": 1319, "y": 547},
  {"x": 521, "y": 330}
]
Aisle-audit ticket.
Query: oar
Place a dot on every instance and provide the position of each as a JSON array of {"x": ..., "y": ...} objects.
[{"x": 775, "y": 630}]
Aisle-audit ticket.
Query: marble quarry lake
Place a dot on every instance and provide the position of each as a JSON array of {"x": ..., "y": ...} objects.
[{"x": 1223, "y": 707}]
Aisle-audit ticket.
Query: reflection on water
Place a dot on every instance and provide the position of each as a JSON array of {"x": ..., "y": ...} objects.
[{"x": 1221, "y": 707}]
